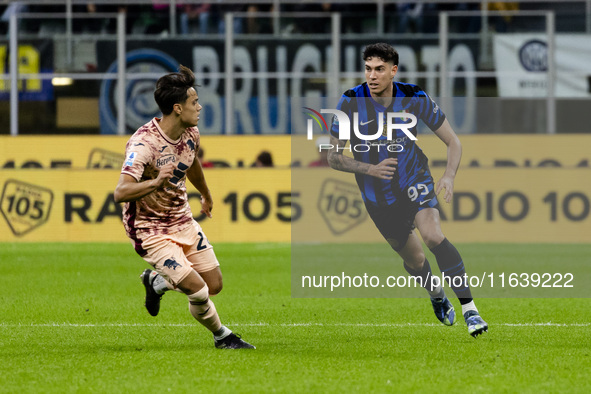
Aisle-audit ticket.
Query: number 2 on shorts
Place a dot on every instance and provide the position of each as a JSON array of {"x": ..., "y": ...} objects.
[{"x": 200, "y": 245}]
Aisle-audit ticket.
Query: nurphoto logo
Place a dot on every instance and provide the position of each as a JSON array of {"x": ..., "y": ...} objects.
[{"x": 385, "y": 128}]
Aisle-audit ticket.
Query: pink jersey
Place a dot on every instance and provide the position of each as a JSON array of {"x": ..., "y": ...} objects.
[{"x": 166, "y": 210}]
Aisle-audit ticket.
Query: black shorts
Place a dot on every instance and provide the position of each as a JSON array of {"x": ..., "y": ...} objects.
[{"x": 396, "y": 221}]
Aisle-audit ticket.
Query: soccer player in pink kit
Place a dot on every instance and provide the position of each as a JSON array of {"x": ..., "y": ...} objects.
[{"x": 157, "y": 217}]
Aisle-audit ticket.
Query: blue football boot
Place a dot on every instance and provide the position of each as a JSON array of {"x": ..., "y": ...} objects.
[
  {"x": 476, "y": 325},
  {"x": 444, "y": 310}
]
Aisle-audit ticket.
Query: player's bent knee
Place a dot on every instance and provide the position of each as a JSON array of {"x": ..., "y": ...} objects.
[
  {"x": 415, "y": 261},
  {"x": 191, "y": 284},
  {"x": 433, "y": 238},
  {"x": 213, "y": 278},
  {"x": 215, "y": 288},
  {"x": 199, "y": 297}
]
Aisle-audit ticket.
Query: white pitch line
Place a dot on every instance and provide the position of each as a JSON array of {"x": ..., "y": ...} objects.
[{"x": 395, "y": 325}]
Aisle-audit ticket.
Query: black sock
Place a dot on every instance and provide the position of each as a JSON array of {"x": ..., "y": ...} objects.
[
  {"x": 425, "y": 275},
  {"x": 451, "y": 265}
]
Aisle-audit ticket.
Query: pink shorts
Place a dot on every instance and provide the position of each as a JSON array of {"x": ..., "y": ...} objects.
[{"x": 174, "y": 256}]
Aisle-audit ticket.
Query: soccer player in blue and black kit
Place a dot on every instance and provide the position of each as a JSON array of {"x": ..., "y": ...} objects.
[{"x": 395, "y": 181}]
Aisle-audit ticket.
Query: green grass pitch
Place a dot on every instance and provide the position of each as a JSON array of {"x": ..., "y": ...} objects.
[{"x": 72, "y": 320}]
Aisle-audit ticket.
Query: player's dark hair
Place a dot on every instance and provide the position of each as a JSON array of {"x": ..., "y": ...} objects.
[
  {"x": 172, "y": 89},
  {"x": 382, "y": 50},
  {"x": 265, "y": 159}
]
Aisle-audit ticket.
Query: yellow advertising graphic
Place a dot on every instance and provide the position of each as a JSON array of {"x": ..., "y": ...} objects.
[
  {"x": 509, "y": 189},
  {"x": 250, "y": 205},
  {"x": 99, "y": 152},
  {"x": 28, "y": 63},
  {"x": 303, "y": 205},
  {"x": 484, "y": 151},
  {"x": 479, "y": 151},
  {"x": 489, "y": 205}
]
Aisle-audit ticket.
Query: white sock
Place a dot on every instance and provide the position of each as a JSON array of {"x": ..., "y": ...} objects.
[
  {"x": 437, "y": 292},
  {"x": 469, "y": 307},
  {"x": 158, "y": 283},
  {"x": 222, "y": 333}
]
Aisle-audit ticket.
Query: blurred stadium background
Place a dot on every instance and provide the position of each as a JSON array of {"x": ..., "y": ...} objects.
[{"x": 513, "y": 77}]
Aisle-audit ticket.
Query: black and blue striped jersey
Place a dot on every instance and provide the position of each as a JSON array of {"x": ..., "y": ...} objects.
[{"x": 412, "y": 162}]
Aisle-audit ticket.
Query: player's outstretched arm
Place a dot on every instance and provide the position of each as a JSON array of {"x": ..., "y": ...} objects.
[
  {"x": 383, "y": 170},
  {"x": 197, "y": 178},
  {"x": 454, "y": 155},
  {"x": 128, "y": 189}
]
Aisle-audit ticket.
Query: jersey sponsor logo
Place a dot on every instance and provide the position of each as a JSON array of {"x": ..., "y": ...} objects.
[
  {"x": 130, "y": 159},
  {"x": 162, "y": 149},
  {"x": 164, "y": 160},
  {"x": 368, "y": 122},
  {"x": 425, "y": 201},
  {"x": 171, "y": 264}
]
